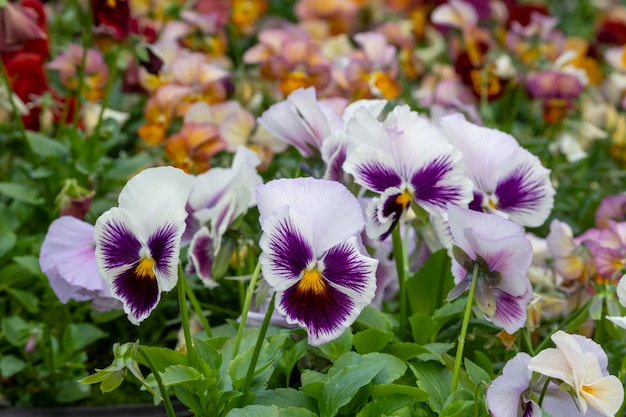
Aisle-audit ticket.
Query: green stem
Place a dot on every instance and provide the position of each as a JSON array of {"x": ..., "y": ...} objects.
[
  {"x": 543, "y": 392},
  {"x": 398, "y": 255},
  {"x": 196, "y": 306},
  {"x": 14, "y": 109},
  {"x": 529, "y": 343},
  {"x": 166, "y": 398},
  {"x": 246, "y": 307},
  {"x": 184, "y": 317},
  {"x": 466, "y": 318},
  {"x": 257, "y": 350}
]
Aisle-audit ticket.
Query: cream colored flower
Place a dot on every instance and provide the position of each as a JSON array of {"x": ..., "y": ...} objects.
[{"x": 581, "y": 363}]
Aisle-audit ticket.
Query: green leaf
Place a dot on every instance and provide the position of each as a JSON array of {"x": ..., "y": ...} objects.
[
  {"x": 11, "y": 365},
  {"x": 7, "y": 242},
  {"x": 29, "y": 301},
  {"x": 484, "y": 362},
  {"x": 296, "y": 412},
  {"x": 423, "y": 327},
  {"x": 334, "y": 349},
  {"x": 179, "y": 374},
  {"x": 209, "y": 354},
  {"x": 459, "y": 408},
  {"x": 126, "y": 167},
  {"x": 21, "y": 192},
  {"x": 285, "y": 397},
  {"x": 371, "y": 340},
  {"x": 435, "y": 380},
  {"x": 16, "y": 330},
  {"x": 417, "y": 394},
  {"x": 255, "y": 411},
  {"x": 340, "y": 388},
  {"x": 291, "y": 356},
  {"x": 30, "y": 263},
  {"x": 429, "y": 287},
  {"x": 162, "y": 357},
  {"x": 406, "y": 350},
  {"x": 385, "y": 406},
  {"x": 44, "y": 146},
  {"x": 393, "y": 368},
  {"x": 373, "y": 318},
  {"x": 476, "y": 373},
  {"x": 79, "y": 335}
]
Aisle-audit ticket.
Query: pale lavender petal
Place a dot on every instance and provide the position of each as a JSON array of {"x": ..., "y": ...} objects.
[
  {"x": 314, "y": 200},
  {"x": 505, "y": 394},
  {"x": 510, "y": 256},
  {"x": 511, "y": 310},
  {"x": 68, "y": 259}
]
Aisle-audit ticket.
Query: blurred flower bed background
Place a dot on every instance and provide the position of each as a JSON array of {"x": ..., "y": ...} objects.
[{"x": 243, "y": 92}]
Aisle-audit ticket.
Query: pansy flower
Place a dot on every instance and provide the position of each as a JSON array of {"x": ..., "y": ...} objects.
[
  {"x": 581, "y": 363},
  {"x": 405, "y": 159},
  {"x": 502, "y": 254},
  {"x": 508, "y": 180},
  {"x": 137, "y": 243},
  {"x": 312, "y": 256},
  {"x": 516, "y": 393}
]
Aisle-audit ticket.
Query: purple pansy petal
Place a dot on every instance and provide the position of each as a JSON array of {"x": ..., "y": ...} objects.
[
  {"x": 510, "y": 256},
  {"x": 373, "y": 175},
  {"x": 524, "y": 190},
  {"x": 140, "y": 295},
  {"x": 437, "y": 184},
  {"x": 504, "y": 395},
  {"x": 287, "y": 249},
  {"x": 334, "y": 155},
  {"x": 325, "y": 315},
  {"x": 383, "y": 214},
  {"x": 511, "y": 310},
  {"x": 201, "y": 255},
  {"x": 117, "y": 246},
  {"x": 314, "y": 199},
  {"x": 139, "y": 197},
  {"x": 164, "y": 246},
  {"x": 345, "y": 266}
]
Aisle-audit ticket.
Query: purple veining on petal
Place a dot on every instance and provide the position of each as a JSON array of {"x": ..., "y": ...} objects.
[
  {"x": 426, "y": 180},
  {"x": 510, "y": 311},
  {"x": 335, "y": 168},
  {"x": 477, "y": 203},
  {"x": 162, "y": 244},
  {"x": 201, "y": 252},
  {"x": 519, "y": 191},
  {"x": 140, "y": 294},
  {"x": 289, "y": 253},
  {"x": 345, "y": 266},
  {"x": 321, "y": 313},
  {"x": 119, "y": 246},
  {"x": 378, "y": 177}
]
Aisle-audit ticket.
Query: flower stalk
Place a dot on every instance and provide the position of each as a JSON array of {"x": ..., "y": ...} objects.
[
  {"x": 246, "y": 308},
  {"x": 466, "y": 318},
  {"x": 398, "y": 254}
]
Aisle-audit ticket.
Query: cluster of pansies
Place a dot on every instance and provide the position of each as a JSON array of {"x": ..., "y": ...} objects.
[{"x": 328, "y": 157}]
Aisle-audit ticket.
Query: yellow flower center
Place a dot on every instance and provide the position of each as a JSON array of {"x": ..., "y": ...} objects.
[
  {"x": 404, "y": 199},
  {"x": 312, "y": 281},
  {"x": 111, "y": 3},
  {"x": 145, "y": 268}
]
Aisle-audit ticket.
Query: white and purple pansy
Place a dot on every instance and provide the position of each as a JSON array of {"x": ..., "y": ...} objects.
[
  {"x": 508, "y": 179},
  {"x": 312, "y": 256},
  {"x": 138, "y": 242},
  {"x": 405, "y": 158},
  {"x": 502, "y": 254}
]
